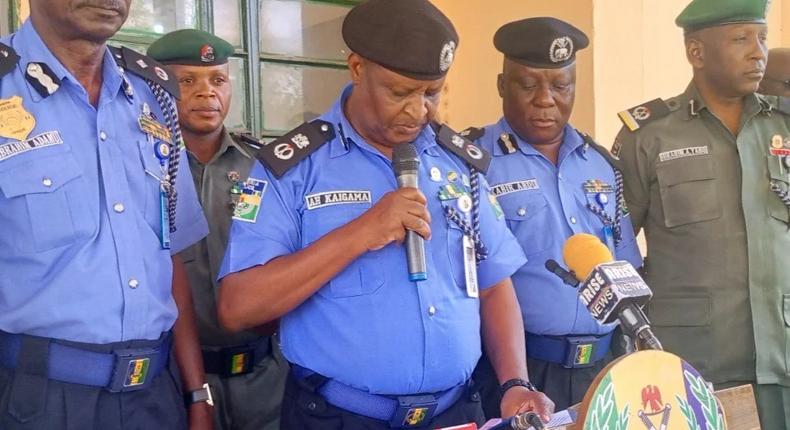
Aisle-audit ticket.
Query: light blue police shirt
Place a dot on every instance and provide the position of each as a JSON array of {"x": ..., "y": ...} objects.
[
  {"x": 81, "y": 258},
  {"x": 370, "y": 327},
  {"x": 544, "y": 205}
]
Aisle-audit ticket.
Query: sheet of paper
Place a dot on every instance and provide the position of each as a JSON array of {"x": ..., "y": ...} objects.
[{"x": 559, "y": 419}]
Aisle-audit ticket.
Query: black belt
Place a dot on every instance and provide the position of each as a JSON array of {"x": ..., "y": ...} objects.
[{"x": 236, "y": 360}]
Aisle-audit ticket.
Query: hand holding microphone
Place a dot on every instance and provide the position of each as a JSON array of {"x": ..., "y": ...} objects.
[{"x": 406, "y": 164}]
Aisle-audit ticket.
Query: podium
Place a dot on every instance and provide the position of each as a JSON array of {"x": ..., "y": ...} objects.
[{"x": 656, "y": 390}]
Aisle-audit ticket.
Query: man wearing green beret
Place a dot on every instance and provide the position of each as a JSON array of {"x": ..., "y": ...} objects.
[
  {"x": 245, "y": 370},
  {"x": 706, "y": 176}
]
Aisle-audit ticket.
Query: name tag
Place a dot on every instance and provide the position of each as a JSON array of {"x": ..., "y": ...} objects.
[
  {"x": 682, "y": 153},
  {"x": 514, "y": 187},
  {"x": 331, "y": 198},
  {"x": 10, "y": 149}
]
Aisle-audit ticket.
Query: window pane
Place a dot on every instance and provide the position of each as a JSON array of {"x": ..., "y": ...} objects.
[
  {"x": 161, "y": 16},
  {"x": 294, "y": 94},
  {"x": 302, "y": 29},
  {"x": 5, "y": 7},
  {"x": 135, "y": 46},
  {"x": 237, "y": 117},
  {"x": 227, "y": 21}
]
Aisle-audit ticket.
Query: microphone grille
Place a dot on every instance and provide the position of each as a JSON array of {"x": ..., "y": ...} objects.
[
  {"x": 582, "y": 252},
  {"x": 404, "y": 158}
]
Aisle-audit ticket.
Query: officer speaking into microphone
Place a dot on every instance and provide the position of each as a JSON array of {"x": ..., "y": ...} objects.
[
  {"x": 552, "y": 182},
  {"x": 317, "y": 241}
]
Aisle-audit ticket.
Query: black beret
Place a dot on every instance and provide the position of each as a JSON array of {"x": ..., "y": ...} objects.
[
  {"x": 543, "y": 43},
  {"x": 190, "y": 47},
  {"x": 410, "y": 37}
]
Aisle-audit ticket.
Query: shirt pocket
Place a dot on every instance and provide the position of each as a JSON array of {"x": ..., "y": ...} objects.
[
  {"x": 688, "y": 191},
  {"x": 363, "y": 276},
  {"x": 528, "y": 216},
  {"x": 778, "y": 175},
  {"x": 49, "y": 203}
]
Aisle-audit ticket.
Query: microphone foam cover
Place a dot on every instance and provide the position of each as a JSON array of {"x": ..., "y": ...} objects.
[{"x": 582, "y": 252}]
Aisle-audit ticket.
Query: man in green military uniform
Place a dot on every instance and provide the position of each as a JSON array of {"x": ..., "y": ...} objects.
[
  {"x": 706, "y": 176},
  {"x": 246, "y": 372},
  {"x": 776, "y": 81}
]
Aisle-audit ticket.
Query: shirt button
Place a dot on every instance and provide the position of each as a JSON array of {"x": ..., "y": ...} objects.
[
  {"x": 573, "y": 220},
  {"x": 102, "y": 135},
  {"x": 118, "y": 207},
  {"x": 559, "y": 175},
  {"x": 431, "y": 311},
  {"x": 133, "y": 283},
  {"x": 46, "y": 182},
  {"x": 521, "y": 212}
]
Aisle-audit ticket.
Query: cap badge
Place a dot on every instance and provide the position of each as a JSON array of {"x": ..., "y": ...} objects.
[
  {"x": 207, "y": 53},
  {"x": 447, "y": 56},
  {"x": 561, "y": 49}
]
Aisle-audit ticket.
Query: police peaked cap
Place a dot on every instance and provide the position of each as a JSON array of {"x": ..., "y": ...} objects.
[{"x": 410, "y": 37}]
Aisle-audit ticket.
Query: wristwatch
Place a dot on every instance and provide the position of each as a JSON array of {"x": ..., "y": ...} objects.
[
  {"x": 203, "y": 394},
  {"x": 516, "y": 382}
]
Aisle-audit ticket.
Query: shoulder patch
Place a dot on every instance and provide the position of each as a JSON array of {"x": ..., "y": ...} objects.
[
  {"x": 8, "y": 59},
  {"x": 282, "y": 154},
  {"x": 507, "y": 143},
  {"x": 588, "y": 140},
  {"x": 638, "y": 116},
  {"x": 475, "y": 156},
  {"x": 473, "y": 133},
  {"x": 147, "y": 68}
]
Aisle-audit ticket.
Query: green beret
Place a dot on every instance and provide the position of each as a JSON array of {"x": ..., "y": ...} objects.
[
  {"x": 700, "y": 14},
  {"x": 410, "y": 37},
  {"x": 190, "y": 47}
]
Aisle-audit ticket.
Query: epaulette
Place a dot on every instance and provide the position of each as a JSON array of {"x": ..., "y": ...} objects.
[
  {"x": 8, "y": 59},
  {"x": 473, "y": 133},
  {"x": 782, "y": 104},
  {"x": 636, "y": 117},
  {"x": 475, "y": 156},
  {"x": 589, "y": 141},
  {"x": 147, "y": 68},
  {"x": 285, "y": 152}
]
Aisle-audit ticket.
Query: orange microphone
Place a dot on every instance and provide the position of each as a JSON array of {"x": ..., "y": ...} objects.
[{"x": 611, "y": 290}]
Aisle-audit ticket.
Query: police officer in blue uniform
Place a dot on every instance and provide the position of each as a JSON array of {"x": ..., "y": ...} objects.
[
  {"x": 317, "y": 241},
  {"x": 93, "y": 207},
  {"x": 552, "y": 182}
]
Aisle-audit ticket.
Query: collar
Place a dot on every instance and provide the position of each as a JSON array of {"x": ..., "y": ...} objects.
[
  {"x": 348, "y": 136},
  {"x": 571, "y": 141},
  {"x": 32, "y": 49},
  {"x": 228, "y": 143},
  {"x": 694, "y": 103}
]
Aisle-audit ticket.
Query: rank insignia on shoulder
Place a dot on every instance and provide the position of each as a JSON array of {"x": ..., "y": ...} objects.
[
  {"x": 147, "y": 68},
  {"x": 282, "y": 154},
  {"x": 477, "y": 157},
  {"x": 8, "y": 59},
  {"x": 611, "y": 157},
  {"x": 473, "y": 133},
  {"x": 507, "y": 143},
  {"x": 637, "y": 117},
  {"x": 42, "y": 78}
]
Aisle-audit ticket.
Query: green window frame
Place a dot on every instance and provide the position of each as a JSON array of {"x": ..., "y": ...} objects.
[{"x": 249, "y": 53}]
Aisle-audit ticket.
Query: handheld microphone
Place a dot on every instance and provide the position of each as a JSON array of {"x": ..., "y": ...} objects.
[
  {"x": 523, "y": 421},
  {"x": 406, "y": 165},
  {"x": 567, "y": 277},
  {"x": 611, "y": 290}
]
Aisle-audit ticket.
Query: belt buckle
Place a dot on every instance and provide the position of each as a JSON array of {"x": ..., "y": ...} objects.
[
  {"x": 133, "y": 368},
  {"x": 579, "y": 351},
  {"x": 238, "y": 360},
  {"x": 413, "y": 411}
]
